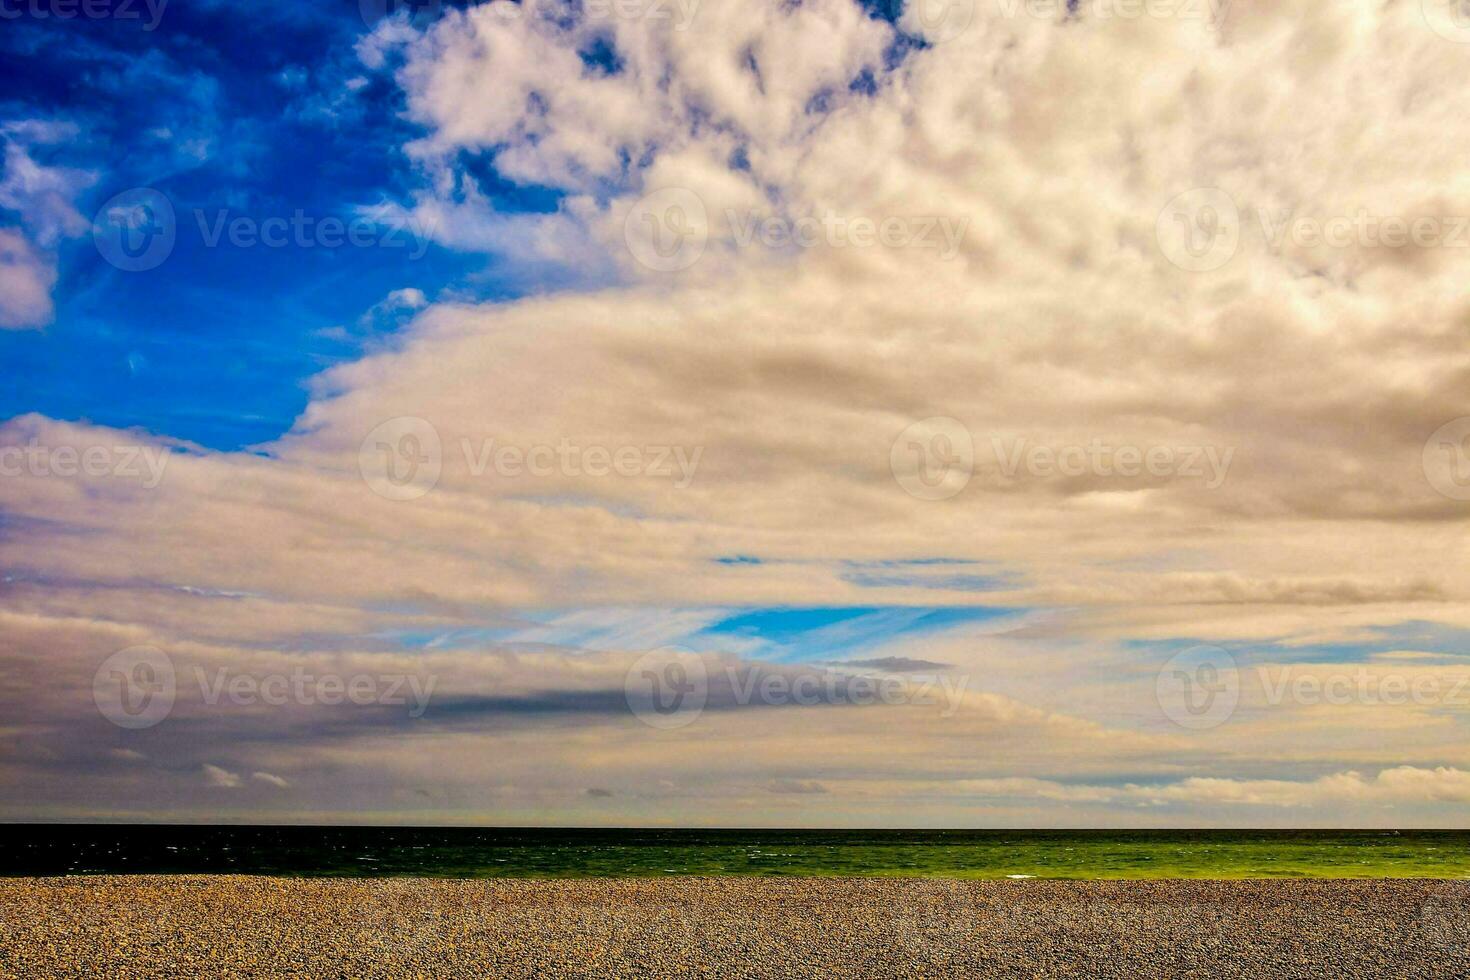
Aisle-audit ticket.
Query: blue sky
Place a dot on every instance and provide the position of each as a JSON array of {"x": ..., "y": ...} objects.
[{"x": 229, "y": 113}]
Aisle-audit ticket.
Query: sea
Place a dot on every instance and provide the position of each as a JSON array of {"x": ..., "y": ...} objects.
[{"x": 486, "y": 852}]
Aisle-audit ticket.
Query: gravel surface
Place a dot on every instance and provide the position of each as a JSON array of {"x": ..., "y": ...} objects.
[{"x": 184, "y": 926}]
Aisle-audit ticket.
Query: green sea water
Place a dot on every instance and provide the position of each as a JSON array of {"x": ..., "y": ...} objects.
[{"x": 544, "y": 853}]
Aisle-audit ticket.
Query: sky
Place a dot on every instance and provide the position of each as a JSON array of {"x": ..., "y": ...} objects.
[{"x": 1003, "y": 413}]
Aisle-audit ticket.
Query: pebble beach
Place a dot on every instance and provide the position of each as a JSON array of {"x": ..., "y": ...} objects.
[{"x": 241, "y": 926}]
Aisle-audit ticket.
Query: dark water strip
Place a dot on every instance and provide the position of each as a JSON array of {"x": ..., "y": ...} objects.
[{"x": 34, "y": 849}]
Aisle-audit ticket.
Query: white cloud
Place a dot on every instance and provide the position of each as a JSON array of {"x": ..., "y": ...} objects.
[
  {"x": 220, "y": 778},
  {"x": 392, "y": 309},
  {"x": 26, "y": 278},
  {"x": 1402, "y": 785},
  {"x": 43, "y": 198}
]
